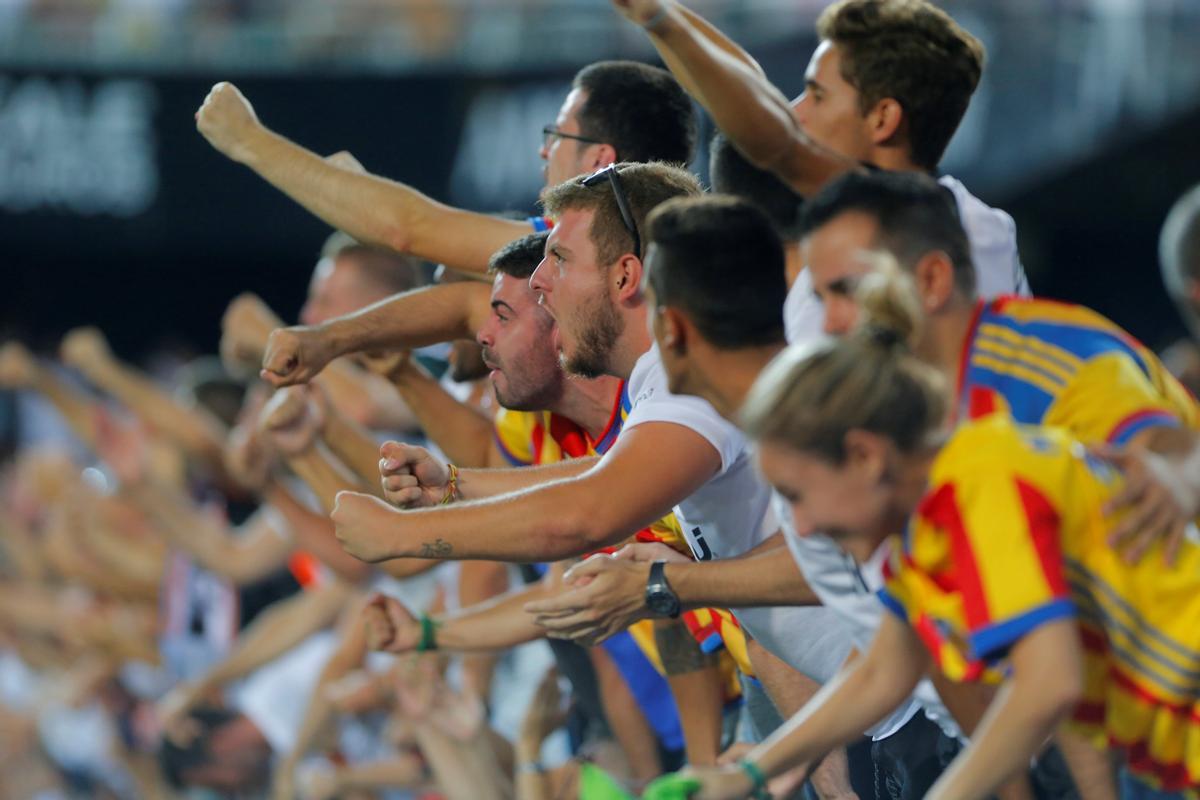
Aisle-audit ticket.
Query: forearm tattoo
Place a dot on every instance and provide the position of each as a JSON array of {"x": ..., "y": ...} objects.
[
  {"x": 438, "y": 548},
  {"x": 679, "y": 651}
]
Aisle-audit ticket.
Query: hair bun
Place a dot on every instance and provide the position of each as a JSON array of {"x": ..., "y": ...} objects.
[{"x": 890, "y": 311}]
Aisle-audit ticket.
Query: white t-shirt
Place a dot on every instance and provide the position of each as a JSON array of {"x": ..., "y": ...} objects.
[
  {"x": 843, "y": 585},
  {"x": 992, "y": 235},
  {"x": 730, "y": 515}
]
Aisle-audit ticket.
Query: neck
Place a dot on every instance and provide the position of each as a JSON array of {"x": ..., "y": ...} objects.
[
  {"x": 588, "y": 403},
  {"x": 793, "y": 262},
  {"x": 945, "y": 338},
  {"x": 729, "y": 374},
  {"x": 913, "y": 481},
  {"x": 632, "y": 344},
  {"x": 896, "y": 159}
]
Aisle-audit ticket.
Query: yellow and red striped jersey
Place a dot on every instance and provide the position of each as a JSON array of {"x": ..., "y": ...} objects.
[{"x": 1010, "y": 535}]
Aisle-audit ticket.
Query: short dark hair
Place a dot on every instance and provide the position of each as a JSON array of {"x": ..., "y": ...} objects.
[
  {"x": 646, "y": 185},
  {"x": 914, "y": 213},
  {"x": 176, "y": 761},
  {"x": 730, "y": 173},
  {"x": 719, "y": 260},
  {"x": 640, "y": 110},
  {"x": 914, "y": 53},
  {"x": 520, "y": 257},
  {"x": 387, "y": 270}
]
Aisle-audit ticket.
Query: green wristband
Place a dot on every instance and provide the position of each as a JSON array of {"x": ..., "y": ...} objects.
[
  {"x": 428, "y": 634},
  {"x": 757, "y": 778}
]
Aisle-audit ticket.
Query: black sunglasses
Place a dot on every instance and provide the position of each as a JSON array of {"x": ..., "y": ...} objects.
[
  {"x": 611, "y": 174},
  {"x": 550, "y": 132}
]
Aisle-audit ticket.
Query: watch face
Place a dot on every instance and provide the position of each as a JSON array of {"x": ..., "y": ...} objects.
[{"x": 662, "y": 602}]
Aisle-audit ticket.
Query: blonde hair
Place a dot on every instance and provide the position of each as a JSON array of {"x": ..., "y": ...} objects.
[{"x": 810, "y": 397}]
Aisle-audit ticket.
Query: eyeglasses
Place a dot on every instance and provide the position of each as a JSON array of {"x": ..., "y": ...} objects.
[
  {"x": 614, "y": 177},
  {"x": 550, "y": 132}
]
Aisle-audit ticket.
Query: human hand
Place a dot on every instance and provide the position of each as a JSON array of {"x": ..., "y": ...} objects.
[
  {"x": 18, "y": 369},
  {"x": 85, "y": 349},
  {"x": 411, "y": 476},
  {"x": 227, "y": 120},
  {"x": 545, "y": 713},
  {"x": 390, "y": 626},
  {"x": 600, "y": 597},
  {"x": 1156, "y": 503},
  {"x": 643, "y": 552},
  {"x": 364, "y": 524},
  {"x": 245, "y": 327},
  {"x": 174, "y": 710},
  {"x": 640, "y": 12},
  {"x": 708, "y": 783},
  {"x": 295, "y": 355},
  {"x": 293, "y": 419},
  {"x": 385, "y": 363}
]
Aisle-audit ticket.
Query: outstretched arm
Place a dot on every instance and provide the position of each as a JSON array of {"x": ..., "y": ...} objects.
[
  {"x": 1046, "y": 683},
  {"x": 754, "y": 114},
  {"x": 418, "y": 318},
  {"x": 369, "y": 208},
  {"x": 652, "y": 467}
]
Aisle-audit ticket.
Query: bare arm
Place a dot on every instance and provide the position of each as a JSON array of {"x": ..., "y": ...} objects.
[
  {"x": 195, "y": 430},
  {"x": 413, "y": 319},
  {"x": 764, "y": 577},
  {"x": 1046, "y": 683},
  {"x": 369, "y": 208},
  {"x": 754, "y": 114},
  {"x": 651, "y": 467},
  {"x": 19, "y": 370}
]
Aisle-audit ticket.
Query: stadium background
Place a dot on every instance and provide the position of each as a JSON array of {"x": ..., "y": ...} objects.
[{"x": 115, "y": 212}]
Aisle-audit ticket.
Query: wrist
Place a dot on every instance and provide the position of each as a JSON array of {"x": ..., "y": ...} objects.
[{"x": 657, "y": 22}]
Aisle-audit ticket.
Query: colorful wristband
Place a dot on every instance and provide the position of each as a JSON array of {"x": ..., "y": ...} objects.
[
  {"x": 428, "y": 634},
  {"x": 757, "y": 778},
  {"x": 451, "y": 486}
]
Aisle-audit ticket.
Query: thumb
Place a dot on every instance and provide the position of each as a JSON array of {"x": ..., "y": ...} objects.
[{"x": 588, "y": 568}]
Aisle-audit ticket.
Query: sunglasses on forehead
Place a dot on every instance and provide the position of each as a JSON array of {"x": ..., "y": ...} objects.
[{"x": 611, "y": 174}]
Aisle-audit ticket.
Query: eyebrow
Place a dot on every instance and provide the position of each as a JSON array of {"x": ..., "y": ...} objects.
[
  {"x": 557, "y": 249},
  {"x": 810, "y": 83},
  {"x": 843, "y": 285},
  {"x": 497, "y": 303}
]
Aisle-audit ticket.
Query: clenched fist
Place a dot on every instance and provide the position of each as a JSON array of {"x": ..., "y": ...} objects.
[
  {"x": 293, "y": 419},
  {"x": 412, "y": 477},
  {"x": 247, "y": 323},
  {"x": 296, "y": 355},
  {"x": 85, "y": 349},
  {"x": 390, "y": 626},
  {"x": 227, "y": 120},
  {"x": 640, "y": 11}
]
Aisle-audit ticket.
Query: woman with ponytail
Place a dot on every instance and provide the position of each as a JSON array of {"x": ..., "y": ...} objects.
[{"x": 998, "y": 569}]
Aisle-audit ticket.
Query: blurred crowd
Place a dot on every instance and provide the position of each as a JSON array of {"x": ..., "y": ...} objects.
[{"x": 778, "y": 489}]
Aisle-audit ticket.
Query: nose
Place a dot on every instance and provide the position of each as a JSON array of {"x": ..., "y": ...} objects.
[
  {"x": 839, "y": 317},
  {"x": 485, "y": 338},
  {"x": 800, "y": 522},
  {"x": 544, "y": 150},
  {"x": 800, "y": 109},
  {"x": 539, "y": 280}
]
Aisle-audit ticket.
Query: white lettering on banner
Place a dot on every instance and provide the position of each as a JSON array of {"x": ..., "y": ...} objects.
[
  {"x": 86, "y": 150},
  {"x": 497, "y": 162}
]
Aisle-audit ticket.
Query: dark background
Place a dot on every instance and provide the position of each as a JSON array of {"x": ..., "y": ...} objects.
[{"x": 1088, "y": 223}]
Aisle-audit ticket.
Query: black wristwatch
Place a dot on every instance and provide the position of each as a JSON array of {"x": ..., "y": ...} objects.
[{"x": 660, "y": 597}]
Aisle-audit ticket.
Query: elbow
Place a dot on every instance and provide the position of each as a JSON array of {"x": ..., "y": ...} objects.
[
  {"x": 575, "y": 532},
  {"x": 1062, "y": 695},
  {"x": 394, "y": 235}
]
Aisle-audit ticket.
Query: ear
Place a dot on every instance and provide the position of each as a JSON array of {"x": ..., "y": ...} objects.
[
  {"x": 601, "y": 156},
  {"x": 626, "y": 276},
  {"x": 885, "y": 120},
  {"x": 934, "y": 279},
  {"x": 866, "y": 454},
  {"x": 673, "y": 330}
]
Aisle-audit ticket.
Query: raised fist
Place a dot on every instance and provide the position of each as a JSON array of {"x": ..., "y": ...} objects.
[
  {"x": 227, "y": 120},
  {"x": 247, "y": 323},
  {"x": 84, "y": 349},
  {"x": 295, "y": 355},
  {"x": 389, "y": 626},
  {"x": 293, "y": 419},
  {"x": 412, "y": 477},
  {"x": 639, "y": 11},
  {"x": 18, "y": 370}
]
